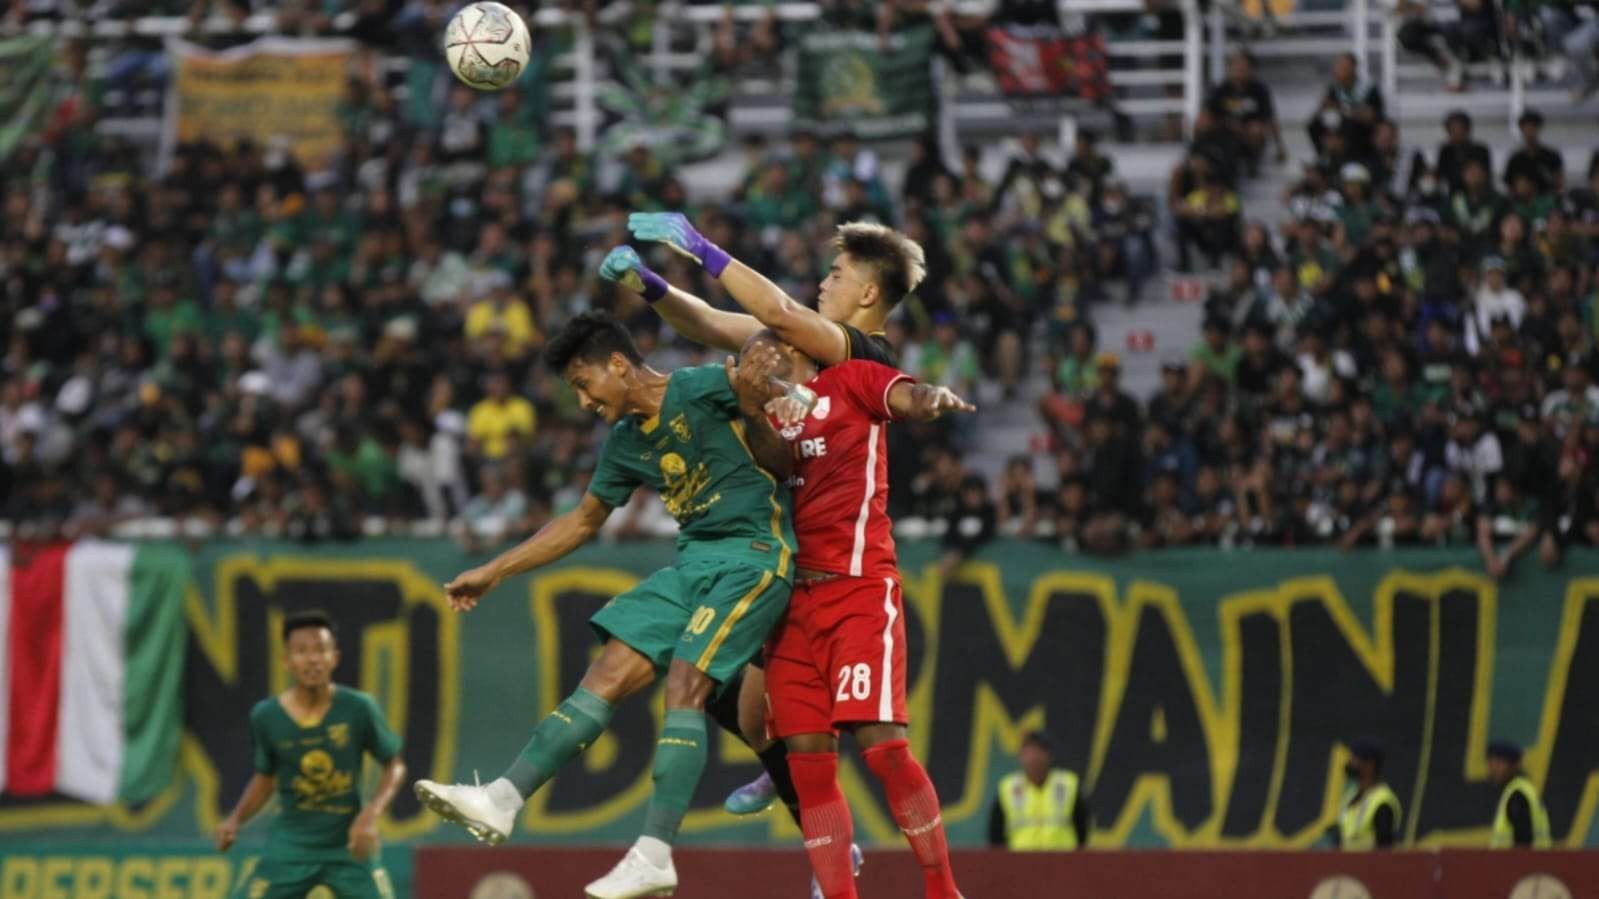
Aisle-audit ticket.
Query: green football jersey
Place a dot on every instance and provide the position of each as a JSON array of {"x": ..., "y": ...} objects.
[
  {"x": 318, "y": 769},
  {"x": 694, "y": 453}
]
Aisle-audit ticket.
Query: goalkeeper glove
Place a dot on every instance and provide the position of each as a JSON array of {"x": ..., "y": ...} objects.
[
  {"x": 674, "y": 230},
  {"x": 623, "y": 266}
]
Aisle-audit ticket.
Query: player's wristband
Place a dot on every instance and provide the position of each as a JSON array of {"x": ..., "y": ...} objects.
[
  {"x": 654, "y": 285},
  {"x": 715, "y": 260}
]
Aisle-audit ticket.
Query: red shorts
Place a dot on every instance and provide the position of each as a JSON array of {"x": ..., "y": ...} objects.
[{"x": 838, "y": 657}]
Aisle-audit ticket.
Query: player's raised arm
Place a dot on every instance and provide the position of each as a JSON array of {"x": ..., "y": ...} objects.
[
  {"x": 924, "y": 402},
  {"x": 553, "y": 541},
  {"x": 688, "y": 315},
  {"x": 796, "y": 324}
]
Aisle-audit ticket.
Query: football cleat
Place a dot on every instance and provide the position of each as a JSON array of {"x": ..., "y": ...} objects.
[
  {"x": 856, "y": 859},
  {"x": 752, "y": 798},
  {"x": 468, "y": 805},
  {"x": 633, "y": 877}
]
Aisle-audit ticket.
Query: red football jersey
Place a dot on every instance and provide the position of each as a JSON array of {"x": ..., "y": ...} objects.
[{"x": 841, "y": 478}]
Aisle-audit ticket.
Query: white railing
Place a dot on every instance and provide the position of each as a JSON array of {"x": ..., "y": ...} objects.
[
  {"x": 1410, "y": 85},
  {"x": 1353, "y": 19},
  {"x": 577, "y": 75},
  {"x": 1399, "y": 77}
]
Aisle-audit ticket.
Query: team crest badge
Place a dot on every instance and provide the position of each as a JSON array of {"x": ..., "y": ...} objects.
[
  {"x": 824, "y": 405},
  {"x": 339, "y": 734},
  {"x": 680, "y": 428}
]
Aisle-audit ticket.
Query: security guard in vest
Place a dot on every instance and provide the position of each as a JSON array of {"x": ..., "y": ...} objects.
[
  {"x": 1371, "y": 815},
  {"x": 1039, "y": 808},
  {"x": 1519, "y": 819}
]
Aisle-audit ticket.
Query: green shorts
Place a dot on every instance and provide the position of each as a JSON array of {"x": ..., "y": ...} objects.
[
  {"x": 714, "y": 615},
  {"x": 273, "y": 879}
]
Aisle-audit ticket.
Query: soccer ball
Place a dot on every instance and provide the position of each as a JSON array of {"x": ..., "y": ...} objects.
[{"x": 486, "y": 45}]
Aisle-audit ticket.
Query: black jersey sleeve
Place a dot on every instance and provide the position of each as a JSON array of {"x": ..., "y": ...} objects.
[{"x": 871, "y": 347}]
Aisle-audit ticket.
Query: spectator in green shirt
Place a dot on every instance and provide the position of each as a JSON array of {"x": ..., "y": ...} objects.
[
  {"x": 1359, "y": 212},
  {"x": 774, "y": 202},
  {"x": 514, "y": 137},
  {"x": 946, "y": 359},
  {"x": 168, "y": 315},
  {"x": 1217, "y": 354}
]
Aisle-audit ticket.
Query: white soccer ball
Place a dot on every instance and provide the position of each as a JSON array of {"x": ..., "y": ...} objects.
[{"x": 486, "y": 45}]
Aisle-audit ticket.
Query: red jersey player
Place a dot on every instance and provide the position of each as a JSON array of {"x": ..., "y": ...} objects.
[
  {"x": 837, "y": 661},
  {"x": 874, "y": 269}
]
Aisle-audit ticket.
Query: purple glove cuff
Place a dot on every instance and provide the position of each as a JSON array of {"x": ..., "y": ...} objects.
[
  {"x": 716, "y": 259},
  {"x": 654, "y": 285}
]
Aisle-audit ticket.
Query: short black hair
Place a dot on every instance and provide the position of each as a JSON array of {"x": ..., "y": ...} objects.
[
  {"x": 1370, "y": 751},
  {"x": 590, "y": 337},
  {"x": 308, "y": 618},
  {"x": 1505, "y": 749},
  {"x": 1040, "y": 739}
]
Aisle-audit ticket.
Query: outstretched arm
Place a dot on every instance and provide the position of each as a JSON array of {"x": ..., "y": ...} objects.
[
  {"x": 688, "y": 315},
  {"x": 796, "y": 324},
  {"x": 924, "y": 402},
  {"x": 705, "y": 324},
  {"x": 554, "y": 540}
]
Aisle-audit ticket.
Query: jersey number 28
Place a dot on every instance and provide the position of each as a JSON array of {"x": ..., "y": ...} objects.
[{"x": 856, "y": 681}]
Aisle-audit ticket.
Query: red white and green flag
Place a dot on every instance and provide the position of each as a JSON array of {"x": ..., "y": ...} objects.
[{"x": 91, "y": 669}]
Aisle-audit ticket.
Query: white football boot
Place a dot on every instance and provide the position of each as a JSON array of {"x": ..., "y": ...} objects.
[
  {"x": 633, "y": 877},
  {"x": 470, "y": 806}
]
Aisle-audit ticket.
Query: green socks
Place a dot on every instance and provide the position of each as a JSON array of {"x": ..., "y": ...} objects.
[
  {"x": 563, "y": 734},
  {"x": 680, "y": 756},
  {"x": 679, "y": 761}
]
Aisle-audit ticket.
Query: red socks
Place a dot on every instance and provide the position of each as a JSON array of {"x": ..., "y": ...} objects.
[
  {"x": 915, "y": 806},
  {"x": 825, "y": 821}
]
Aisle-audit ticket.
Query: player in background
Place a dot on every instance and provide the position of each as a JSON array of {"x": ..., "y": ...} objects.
[
  {"x": 874, "y": 269},
  {"x": 837, "y": 661},
  {"x": 697, "y": 622},
  {"x": 310, "y": 741}
]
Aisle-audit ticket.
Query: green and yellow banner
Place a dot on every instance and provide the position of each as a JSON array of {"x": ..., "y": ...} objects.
[
  {"x": 874, "y": 85},
  {"x": 271, "y": 88},
  {"x": 144, "y": 870},
  {"x": 1206, "y": 697}
]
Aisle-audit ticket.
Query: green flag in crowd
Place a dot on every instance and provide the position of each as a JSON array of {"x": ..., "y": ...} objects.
[
  {"x": 856, "y": 79},
  {"x": 25, "y": 90}
]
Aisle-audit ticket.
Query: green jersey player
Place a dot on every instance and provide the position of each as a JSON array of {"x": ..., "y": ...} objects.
[
  {"x": 310, "y": 742},
  {"x": 698, "y": 622}
]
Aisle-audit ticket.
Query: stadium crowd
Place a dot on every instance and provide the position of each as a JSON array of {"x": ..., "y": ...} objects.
[
  {"x": 241, "y": 342},
  {"x": 244, "y": 343},
  {"x": 1408, "y": 360}
]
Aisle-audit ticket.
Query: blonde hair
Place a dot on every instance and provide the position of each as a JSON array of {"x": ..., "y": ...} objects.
[{"x": 897, "y": 263}]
